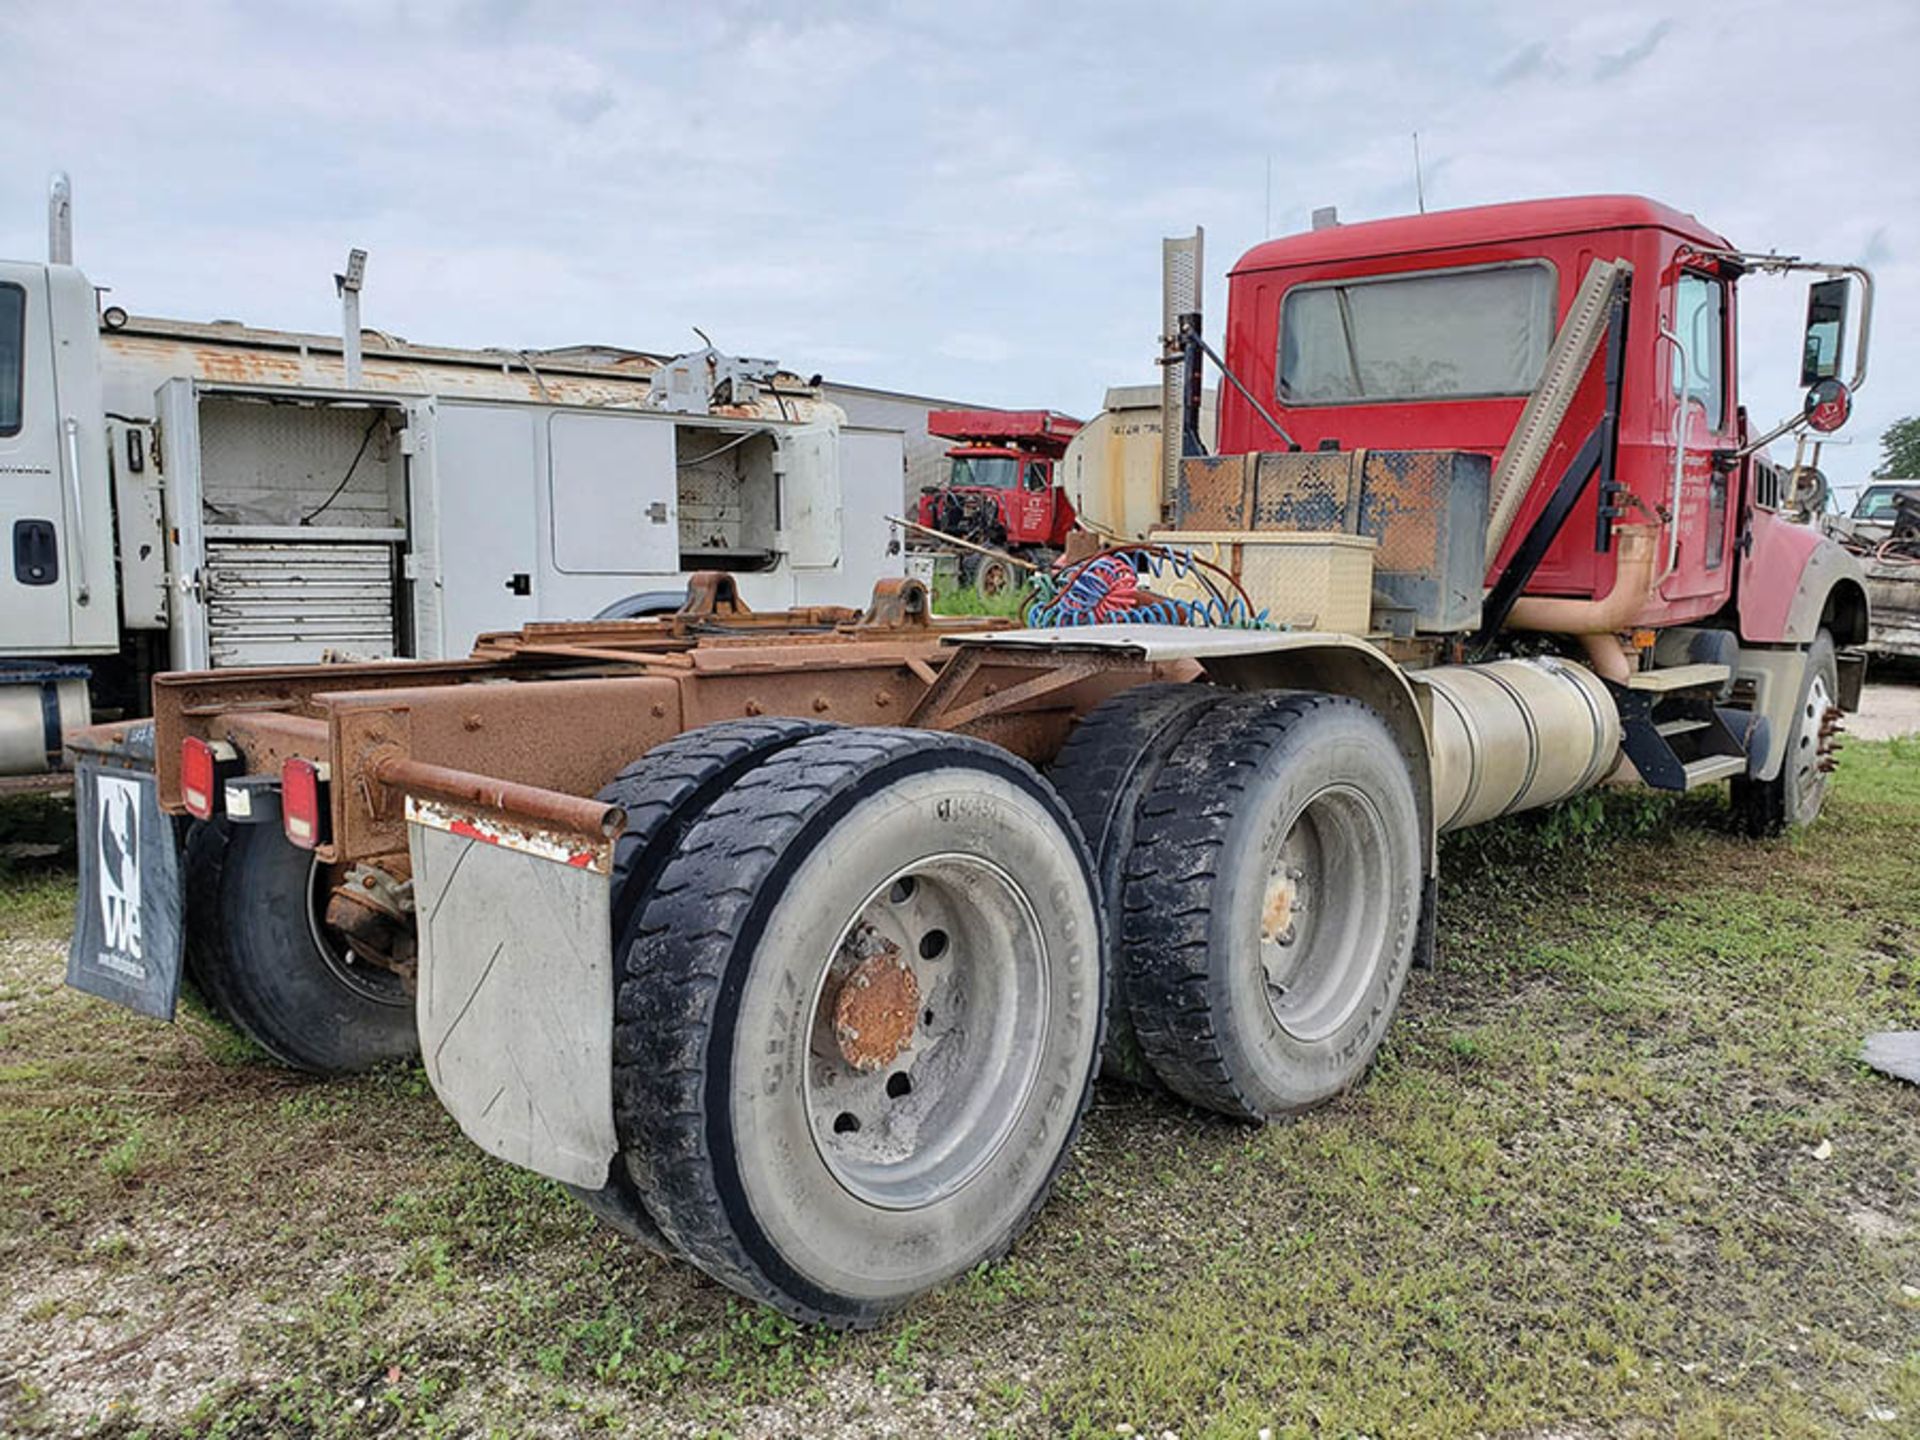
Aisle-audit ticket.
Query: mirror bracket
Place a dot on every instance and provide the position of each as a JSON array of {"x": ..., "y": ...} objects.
[{"x": 1770, "y": 264}]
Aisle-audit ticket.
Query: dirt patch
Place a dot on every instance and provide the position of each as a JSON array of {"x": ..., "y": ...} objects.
[{"x": 1887, "y": 712}]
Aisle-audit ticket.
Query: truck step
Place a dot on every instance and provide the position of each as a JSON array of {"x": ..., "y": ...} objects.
[
  {"x": 1679, "y": 677},
  {"x": 1673, "y": 731},
  {"x": 1709, "y": 768}
]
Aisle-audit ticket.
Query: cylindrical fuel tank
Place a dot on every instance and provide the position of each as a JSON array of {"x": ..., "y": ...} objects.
[
  {"x": 1514, "y": 734},
  {"x": 37, "y": 703}
]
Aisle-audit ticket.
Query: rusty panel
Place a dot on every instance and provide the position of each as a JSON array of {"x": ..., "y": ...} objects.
[
  {"x": 248, "y": 358},
  {"x": 1213, "y": 493},
  {"x": 1314, "y": 490},
  {"x": 1428, "y": 510},
  {"x": 188, "y": 702},
  {"x": 268, "y": 740},
  {"x": 1404, "y": 506},
  {"x": 569, "y": 736},
  {"x": 874, "y": 694}
]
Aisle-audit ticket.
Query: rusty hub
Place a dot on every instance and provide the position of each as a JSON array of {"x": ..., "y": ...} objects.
[
  {"x": 369, "y": 911},
  {"x": 876, "y": 1010},
  {"x": 1284, "y": 902}
]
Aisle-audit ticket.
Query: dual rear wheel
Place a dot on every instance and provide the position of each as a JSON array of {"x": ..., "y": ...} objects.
[
  {"x": 862, "y": 984},
  {"x": 862, "y": 976},
  {"x": 857, "y": 1015},
  {"x": 1263, "y": 859}
]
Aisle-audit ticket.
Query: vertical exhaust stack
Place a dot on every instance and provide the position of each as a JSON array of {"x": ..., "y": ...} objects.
[
  {"x": 60, "y": 219},
  {"x": 1180, "y": 282},
  {"x": 349, "y": 287}
]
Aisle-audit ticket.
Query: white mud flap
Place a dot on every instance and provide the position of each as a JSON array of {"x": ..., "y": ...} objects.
[{"x": 516, "y": 987}]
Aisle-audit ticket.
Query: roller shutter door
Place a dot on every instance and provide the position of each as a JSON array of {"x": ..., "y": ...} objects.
[{"x": 271, "y": 603}]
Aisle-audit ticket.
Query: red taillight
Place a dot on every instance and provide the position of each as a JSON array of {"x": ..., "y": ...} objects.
[
  {"x": 303, "y": 811},
  {"x": 199, "y": 778}
]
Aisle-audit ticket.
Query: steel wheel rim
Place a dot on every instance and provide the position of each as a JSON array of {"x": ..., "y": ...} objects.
[
  {"x": 970, "y": 936},
  {"x": 1323, "y": 919},
  {"x": 1809, "y": 780},
  {"x": 370, "y": 982}
]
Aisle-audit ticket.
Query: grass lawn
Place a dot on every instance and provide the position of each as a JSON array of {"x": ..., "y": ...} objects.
[
  {"x": 1617, "y": 1172},
  {"x": 965, "y": 600}
]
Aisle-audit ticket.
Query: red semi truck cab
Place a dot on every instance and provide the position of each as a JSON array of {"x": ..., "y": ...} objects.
[
  {"x": 1000, "y": 488},
  {"x": 1430, "y": 332}
]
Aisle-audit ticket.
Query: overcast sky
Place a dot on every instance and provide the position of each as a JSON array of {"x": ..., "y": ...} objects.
[{"x": 962, "y": 200}]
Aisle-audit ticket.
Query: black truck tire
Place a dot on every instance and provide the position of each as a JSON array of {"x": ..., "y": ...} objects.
[
  {"x": 663, "y": 792},
  {"x": 1271, "y": 903},
  {"x": 995, "y": 577},
  {"x": 258, "y": 952},
  {"x": 1794, "y": 797},
  {"x": 1108, "y": 764},
  {"x": 920, "y": 900}
]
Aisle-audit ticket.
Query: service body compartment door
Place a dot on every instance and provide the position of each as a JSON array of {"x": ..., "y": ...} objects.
[
  {"x": 483, "y": 557},
  {"x": 615, "y": 494},
  {"x": 871, "y": 476},
  {"x": 177, "y": 408},
  {"x": 74, "y": 307},
  {"x": 810, "y": 495}
]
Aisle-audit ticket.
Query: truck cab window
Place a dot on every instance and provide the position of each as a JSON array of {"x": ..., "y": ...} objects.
[
  {"x": 1700, "y": 319},
  {"x": 13, "y": 345},
  {"x": 989, "y": 472},
  {"x": 1441, "y": 335}
]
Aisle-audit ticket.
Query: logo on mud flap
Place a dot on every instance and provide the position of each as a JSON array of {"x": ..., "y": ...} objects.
[{"x": 119, "y": 855}]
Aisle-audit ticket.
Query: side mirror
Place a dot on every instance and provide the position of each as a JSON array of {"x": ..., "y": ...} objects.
[
  {"x": 1829, "y": 403},
  {"x": 1826, "y": 330}
]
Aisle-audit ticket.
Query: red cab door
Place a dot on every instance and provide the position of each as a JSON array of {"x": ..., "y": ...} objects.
[{"x": 1699, "y": 309}]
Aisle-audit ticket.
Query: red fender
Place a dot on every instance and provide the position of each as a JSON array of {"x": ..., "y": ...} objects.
[{"x": 1791, "y": 579}]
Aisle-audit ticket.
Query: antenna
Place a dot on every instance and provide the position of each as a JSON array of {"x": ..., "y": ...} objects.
[
  {"x": 1268, "y": 229},
  {"x": 1419, "y": 185}
]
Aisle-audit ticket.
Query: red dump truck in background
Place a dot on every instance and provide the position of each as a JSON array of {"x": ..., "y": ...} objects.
[{"x": 1001, "y": 489}]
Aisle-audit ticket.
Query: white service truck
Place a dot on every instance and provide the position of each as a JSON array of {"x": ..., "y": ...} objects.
[{"x": 183, "y": 496}]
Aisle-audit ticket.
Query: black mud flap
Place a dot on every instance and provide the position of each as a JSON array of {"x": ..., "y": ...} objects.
[{"x": 126, "y": 927}]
